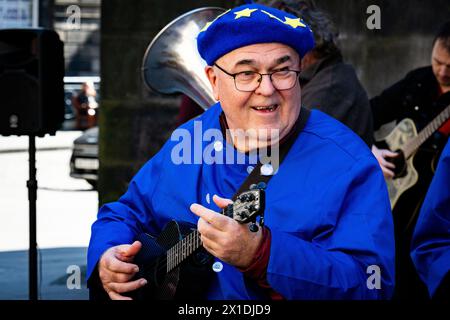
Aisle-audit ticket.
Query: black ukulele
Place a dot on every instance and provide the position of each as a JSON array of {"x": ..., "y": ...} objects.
[{"x": 175, "y": 264}]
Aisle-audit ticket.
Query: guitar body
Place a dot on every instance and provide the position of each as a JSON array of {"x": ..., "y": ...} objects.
[
  {"x": 189, "y": 280},
  {"x": 406, "y": 174},
  {"x": 406, "y": 183}
]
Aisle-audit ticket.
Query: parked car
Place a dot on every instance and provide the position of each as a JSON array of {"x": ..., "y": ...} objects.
[{"x": 84, "y": 161}]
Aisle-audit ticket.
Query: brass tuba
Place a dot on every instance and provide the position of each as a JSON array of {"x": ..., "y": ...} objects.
[{"x": 172, "y": 63}]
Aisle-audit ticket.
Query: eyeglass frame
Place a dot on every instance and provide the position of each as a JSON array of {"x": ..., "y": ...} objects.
[{"x": 233, "y": 75}]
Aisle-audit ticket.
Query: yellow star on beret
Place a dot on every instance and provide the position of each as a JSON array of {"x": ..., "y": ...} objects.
[
  {"x": 206, "y": 26},
  {"x": 211, "y": 22},
  {"x": 244, "y": 13},
  {"x": 294, "y": 23}
]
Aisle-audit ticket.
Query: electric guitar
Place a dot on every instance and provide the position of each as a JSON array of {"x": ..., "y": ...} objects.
[
  {"x": 175, "y": 264},
  {"x": 405, "y": 140}
]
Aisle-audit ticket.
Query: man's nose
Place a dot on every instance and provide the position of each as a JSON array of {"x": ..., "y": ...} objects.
[
  {"x": 266, "y": 87},
  {"x": 445, "y": 71}
]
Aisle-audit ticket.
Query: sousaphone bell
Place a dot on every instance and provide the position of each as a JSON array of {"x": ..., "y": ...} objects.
[{"x": 172, "y": 63}]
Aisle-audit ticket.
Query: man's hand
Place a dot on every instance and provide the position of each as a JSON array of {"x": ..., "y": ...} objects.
[
  {"x": 224, "y": 237},
  {"x": 115, "y": 270},
  {"x": 386, "y": 166}
]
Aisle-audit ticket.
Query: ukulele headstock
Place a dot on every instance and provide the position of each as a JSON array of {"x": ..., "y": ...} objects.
[{"x": 247, "y": 207}]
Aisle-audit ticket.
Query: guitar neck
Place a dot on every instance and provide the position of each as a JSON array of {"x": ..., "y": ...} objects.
[
  {"x": 182, "y": 250},
  {"x": 416, "y": 142},
  {"x": 246, "y": 206}
]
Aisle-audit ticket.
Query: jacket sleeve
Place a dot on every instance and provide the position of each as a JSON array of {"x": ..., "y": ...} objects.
[
  {"x": 352, "y": 256},
  {"x": 431, "y": 240},
  {"x": 119, "y": 222}
]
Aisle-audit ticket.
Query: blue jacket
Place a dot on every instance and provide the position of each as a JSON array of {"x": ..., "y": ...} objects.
[
  {"x": 327, "y": 208},
  {"x": 431, "y": 240}
]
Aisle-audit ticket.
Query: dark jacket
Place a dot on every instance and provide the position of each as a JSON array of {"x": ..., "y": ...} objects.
[
  {"x": 332, "y": 86},
  {"x": 415, "y": 97}
]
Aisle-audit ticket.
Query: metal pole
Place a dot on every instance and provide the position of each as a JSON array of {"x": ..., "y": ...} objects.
[
  {"x": 35, "y": 14},
  {"x": 32, "y": 197}
]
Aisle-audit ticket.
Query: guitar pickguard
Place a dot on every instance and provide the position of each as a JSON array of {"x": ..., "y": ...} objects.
[{"x": 396, "y": 140}]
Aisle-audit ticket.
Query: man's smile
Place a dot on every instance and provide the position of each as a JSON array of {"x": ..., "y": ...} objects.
[{"x": 265, "y": 109}]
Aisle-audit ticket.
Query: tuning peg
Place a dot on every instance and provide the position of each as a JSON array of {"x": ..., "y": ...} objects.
[
  {"x": 244, "y": 197},
  {"x": 250, "y": 197},
  {"x": 262, "y": 185},
  {"x": 228, "y": 211},
  {"x": 253, "y": 227}
]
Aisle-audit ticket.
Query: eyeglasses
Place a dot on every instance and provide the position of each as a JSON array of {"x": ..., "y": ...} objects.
[{"x": 248, "y": 81}]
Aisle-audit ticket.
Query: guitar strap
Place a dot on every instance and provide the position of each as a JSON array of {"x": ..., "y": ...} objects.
[{"x": 257, "y": 179}]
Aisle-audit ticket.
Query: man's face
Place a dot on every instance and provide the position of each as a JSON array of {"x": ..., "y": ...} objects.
[
  {"x": 440, "y": 61},
  {"x": 240, "y": 108}
]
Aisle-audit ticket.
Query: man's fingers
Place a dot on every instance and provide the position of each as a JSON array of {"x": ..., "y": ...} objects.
[
  {"x": 116, "y": 265},
  {"x": 209, "y": 245},
  {"x": 121, "y": 277},
  {"x": 129, "y": 251},
  {"x": 208, "y": 231},
  {"x": 127, "y": 286},
  {"x": 387, "y": 164},
  {"x": 221, "y": 202},
  {"x": 387, "y": 173},
  {"x": 388, "y": 153},
  {"x": 216, "y": 219}
]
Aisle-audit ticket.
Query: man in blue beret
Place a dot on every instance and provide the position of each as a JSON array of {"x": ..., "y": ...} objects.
[
  {"x": 431, "y": 240},
  {"x": 328, "y": 231}
]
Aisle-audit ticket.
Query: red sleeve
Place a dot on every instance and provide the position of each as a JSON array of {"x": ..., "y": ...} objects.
[
  {"x": 445, "y": 129},
  {"x": 257, "y": 270}
]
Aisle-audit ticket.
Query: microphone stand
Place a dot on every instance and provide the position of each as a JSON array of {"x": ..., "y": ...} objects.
[{"x": 32, "y": 197}]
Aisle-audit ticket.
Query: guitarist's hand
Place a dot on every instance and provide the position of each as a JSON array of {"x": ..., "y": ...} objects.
[
  {"x": 224, "y": 237},
  {"x": 386, "y": 166},
  {"x": 116, "y": 270}
]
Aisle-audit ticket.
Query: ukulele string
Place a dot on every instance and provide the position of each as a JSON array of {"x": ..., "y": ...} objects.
[{"x": 163, "y": 261}]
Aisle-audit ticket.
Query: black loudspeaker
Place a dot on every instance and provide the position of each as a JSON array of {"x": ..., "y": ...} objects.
[{"x": 31, "y": 82}]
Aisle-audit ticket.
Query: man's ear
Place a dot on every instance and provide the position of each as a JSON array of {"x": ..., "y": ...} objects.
[
  {"x": 212, "y": 77},
  {"x": 308, "y": 59}
]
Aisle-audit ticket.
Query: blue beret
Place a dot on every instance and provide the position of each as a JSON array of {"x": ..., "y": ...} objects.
[{"x": 250, "y": 24}]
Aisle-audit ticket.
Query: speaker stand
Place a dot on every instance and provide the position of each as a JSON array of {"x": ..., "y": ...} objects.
[{"x": 32, "y": 197}]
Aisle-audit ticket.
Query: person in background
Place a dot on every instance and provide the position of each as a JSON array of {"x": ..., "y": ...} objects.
[
  {"x": 328, "y": 83},
  {"x": 420, "y": 96},
  {"x": 86, "y": 106}
]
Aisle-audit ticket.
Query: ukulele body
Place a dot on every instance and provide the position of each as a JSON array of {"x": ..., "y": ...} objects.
[{"x": 187, "y": 281}]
